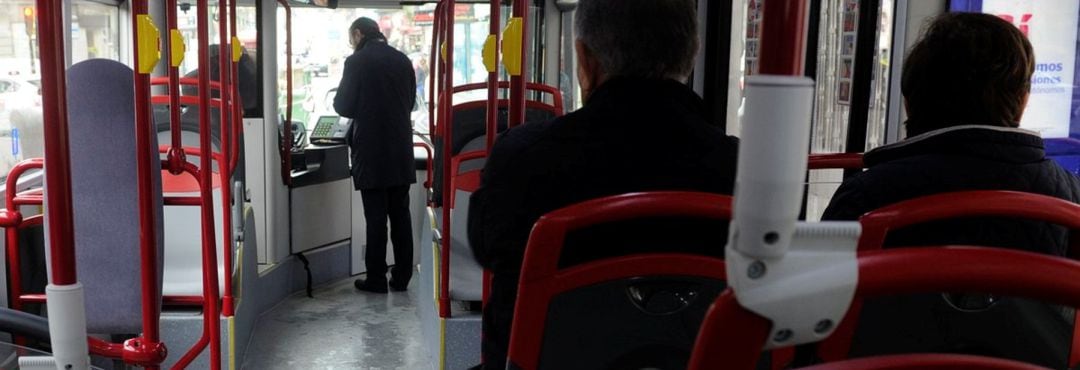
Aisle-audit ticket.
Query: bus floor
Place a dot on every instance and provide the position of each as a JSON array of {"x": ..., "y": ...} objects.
[{"x": 340, "y": 328}]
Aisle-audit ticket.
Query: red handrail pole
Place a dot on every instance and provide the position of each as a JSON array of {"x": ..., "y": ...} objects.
[
  {"x": 225, "y": 76},
  {"x": 493, "y": 78},
  {"x": 448, "y": 130},
  {"x": 58, "y": 171},
  {"x": 175, "y": 158},
  {"x": 238, "y": 113},
  {"x": 286, "y": 172},
  {"x": 51, "y": 24},
  {"x": 517, "y": 83},
  {"x": 144, "y": 154},
  {"x": 211, "y": 316},
  {"x": 13, "y": 260},
  {"x": 783, "y": 37},
  {"x": 12, "y": 233},
  {"x": 434, "y": 70}
]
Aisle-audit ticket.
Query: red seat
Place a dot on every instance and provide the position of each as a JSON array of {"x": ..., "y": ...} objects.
[
  {"x": 732, "y": 337},
  {"x": 878, "y": 223},
  {"x": 545, "y": 287},
  {"x": 926, "y": 362}
]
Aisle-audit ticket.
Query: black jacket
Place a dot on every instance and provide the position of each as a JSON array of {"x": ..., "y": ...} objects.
[
  {"x": 378, "y": 91},
  {"x": 958, "y": 159},
  {"x": 632, "y": 135}
]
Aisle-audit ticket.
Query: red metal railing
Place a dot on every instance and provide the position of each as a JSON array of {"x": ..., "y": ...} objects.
[
  {"x": 783, "y": 37},
  {"x": 146, "y": 350},
  {"x": 237, "y": 121},
  {"x": 12, "y": 231},
  {"x": 54, "y": 110},
  {"x": 211, "y": 335},
  {"x": 447, "y": 123},
  {"x": 441, "y": 118},
  {"x": 517, "y": 83},
  {"x": 493, "y": 76},
  {"x": 225, "y": 159},
  {"x": 430, "y": 157},
  {"x": 835, "y": 161}
]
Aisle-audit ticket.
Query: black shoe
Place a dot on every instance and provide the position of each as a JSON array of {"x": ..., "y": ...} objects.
[
  {"x": 397, "y": 287},
  {"x": 368, "y": 286}
]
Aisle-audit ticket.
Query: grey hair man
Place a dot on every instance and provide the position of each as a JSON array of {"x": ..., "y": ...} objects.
[{"x": 640, "y": 129}]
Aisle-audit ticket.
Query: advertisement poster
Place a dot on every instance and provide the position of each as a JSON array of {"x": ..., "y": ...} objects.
[
  {"x": 753, "y": 35},
  {"x": 1051, "y": 25},
  {"x": 850, "y": 27}
]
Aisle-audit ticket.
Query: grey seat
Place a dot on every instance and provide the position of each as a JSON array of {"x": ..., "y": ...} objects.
[
  {"x": 466, "y": 276},
  {"x": 101, "y": 107}
]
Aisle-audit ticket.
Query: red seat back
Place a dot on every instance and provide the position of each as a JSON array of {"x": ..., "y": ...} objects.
[
  {"x": 732, "y": 337},
  {"x": 542, "y": 280},
  {"x": 878, "y": 223}
]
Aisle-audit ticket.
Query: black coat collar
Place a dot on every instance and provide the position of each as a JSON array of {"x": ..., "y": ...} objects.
[{"x": 1012, "y": 145}]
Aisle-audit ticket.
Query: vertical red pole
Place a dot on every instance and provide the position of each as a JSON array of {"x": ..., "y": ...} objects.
[
  {"x": 783, "y": 37},
  {"x": 14, "y": 262},
  {"x": 448, "y": 144},
  {"x": 58, "y": 167},
  {"x": 211, "y": 316},
  {"x": 493, "y": 78},
  {"x": 176, "y": 156},
  {"x": 12, "y": 234},
  {"x": 238, "y": 111},
  {"x": 225, "y": 78},
  {"x": 286, "y": 172},
  {"x": 517, "y": 83},
  {"x": 433, "y": 72},
  {"x": 145, "y": 153}
]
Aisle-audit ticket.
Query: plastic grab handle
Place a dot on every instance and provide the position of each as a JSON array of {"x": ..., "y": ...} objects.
[{"x": 149, "y": 44}]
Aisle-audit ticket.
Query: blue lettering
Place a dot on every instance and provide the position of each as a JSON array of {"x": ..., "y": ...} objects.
[{"x": 1050, "y": 67}]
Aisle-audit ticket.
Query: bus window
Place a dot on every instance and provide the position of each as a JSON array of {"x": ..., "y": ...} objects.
[
  {"x": 835, "y": 87},
  {"x": 321, "y": 46},
  {"x": 94, "y": 34}
]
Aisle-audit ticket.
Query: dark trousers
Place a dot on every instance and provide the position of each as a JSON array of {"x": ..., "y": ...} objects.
[{"x": 379, "y": 204}]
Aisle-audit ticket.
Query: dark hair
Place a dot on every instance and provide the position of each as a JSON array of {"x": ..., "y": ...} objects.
[
  {"x": 968, "y": 69},
  {"x": 368, "y": 27},
  {"x": 641, "y": 38}
]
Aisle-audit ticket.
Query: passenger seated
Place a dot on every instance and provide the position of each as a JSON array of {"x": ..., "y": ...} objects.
[
  {"x": 641, "y": 129},
  {"x": 965, "y": 85}
]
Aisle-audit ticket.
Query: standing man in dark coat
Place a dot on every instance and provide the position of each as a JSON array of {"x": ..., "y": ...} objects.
[{"x": 378, "y": 91}]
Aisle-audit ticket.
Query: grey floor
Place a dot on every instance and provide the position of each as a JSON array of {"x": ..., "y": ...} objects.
[{"x": 341, "y": 328}]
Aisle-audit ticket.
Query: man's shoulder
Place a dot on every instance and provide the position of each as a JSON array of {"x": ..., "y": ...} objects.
[{"x": 354, "y": 58}]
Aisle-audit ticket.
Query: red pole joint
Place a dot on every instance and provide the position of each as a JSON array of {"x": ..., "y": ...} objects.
[
  {"x": 10, "y": 218},
  {"x": 139, "y": 351},
  {"x": 175, "y": 160}
]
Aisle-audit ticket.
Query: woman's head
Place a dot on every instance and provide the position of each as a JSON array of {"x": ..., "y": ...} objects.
[{"x": 968, "y": 69}]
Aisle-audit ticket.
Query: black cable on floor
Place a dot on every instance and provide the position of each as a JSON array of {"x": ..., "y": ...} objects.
[{"x": 307, "y": 268}]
